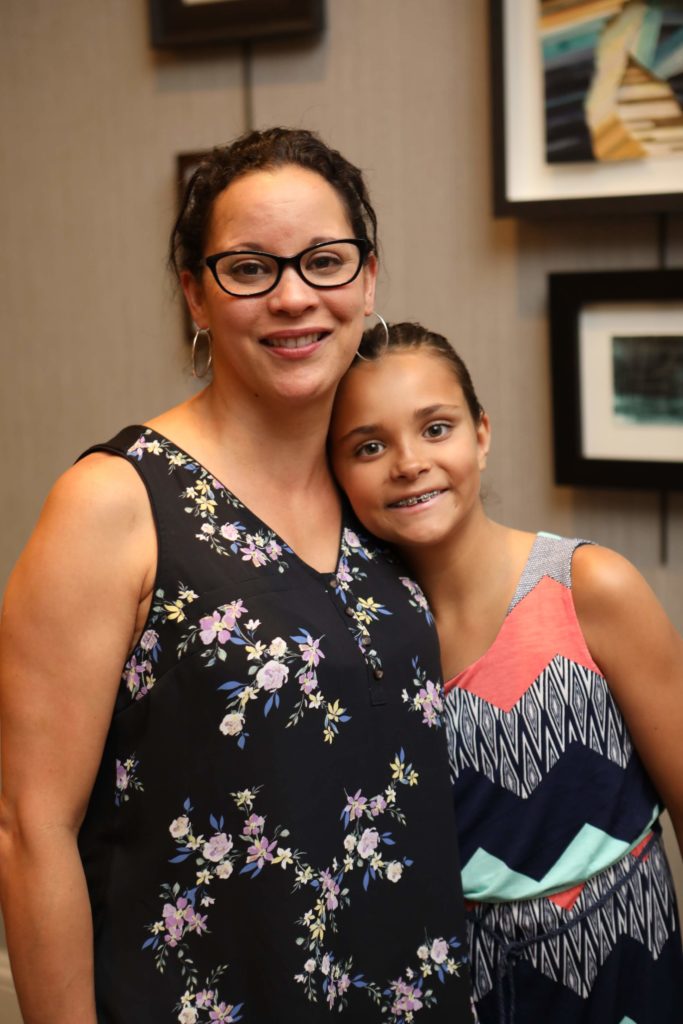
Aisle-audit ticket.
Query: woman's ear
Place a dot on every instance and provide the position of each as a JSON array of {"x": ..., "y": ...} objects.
[
  {"x": 483, "y": 439},
  {"x": 194, "y": 296},
  {"x": 370, "y": 273}
]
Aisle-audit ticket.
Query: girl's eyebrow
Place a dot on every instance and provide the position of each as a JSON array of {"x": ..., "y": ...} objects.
[
  {"x": 366, "y": 429},
  {"x": 362, "y": 431}
]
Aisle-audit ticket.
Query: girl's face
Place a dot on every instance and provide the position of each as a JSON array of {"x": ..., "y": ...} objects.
[
  {"x": 406, "y": 450},
  {"x": 296, "y": 341}
]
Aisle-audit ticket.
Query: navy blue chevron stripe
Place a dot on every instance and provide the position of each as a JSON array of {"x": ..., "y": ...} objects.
[{"x": 519, "y": 832}]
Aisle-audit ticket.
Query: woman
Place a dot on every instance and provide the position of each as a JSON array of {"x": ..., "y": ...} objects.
[
  {"x": 564, "y": 704},
  {"x": 216, "y": 805}
]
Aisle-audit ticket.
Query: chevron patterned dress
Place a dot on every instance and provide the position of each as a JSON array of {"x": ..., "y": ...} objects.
[{"x": 572, "y": 913}]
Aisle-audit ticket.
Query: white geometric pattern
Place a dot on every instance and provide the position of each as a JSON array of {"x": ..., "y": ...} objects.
[
  {"x": 641, "y": 906},
  {"x": 566, "y": 704}
]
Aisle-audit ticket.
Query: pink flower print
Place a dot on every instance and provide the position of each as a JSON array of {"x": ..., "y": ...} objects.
[
  {"x": 148, "y": 640},
  {"x": 134, "y": 673},
  {"x": 307, "y": 682},
  {"x": 330, "y": 890},
  {"x": 217, "y": 847},
  {"x": 352, "y": 539},
  {"x": 122, "y": 778},
  {"x": 407, "y": 998},
  {"x": 222, "y": 1012},
  {"x": 260, "y": 852},
  {"x": 229, "y": 532},
  {"x": 310, "y": 651},
  {"x": 377, "y": 805},
  {"x": 253, "y": 825},
  {"x": 174, "y": 921},
  {"x": 255, "y": 555},
  {"x": 343, "y": 574},
  {"x": 195, "y": 922},
  {"x": 204, "y": 998},
  {"x": 216, "y": 627},
  {"x": 368, "y": 842},
  {"x": 274, "y": 550},
  {"x": 356, "y": 805},
  {"x": 272, "y": 676},
  {"x": 431, "y": 702},
  {"x": 343, "y": 984},
  {"x": 439, "y": 951}
]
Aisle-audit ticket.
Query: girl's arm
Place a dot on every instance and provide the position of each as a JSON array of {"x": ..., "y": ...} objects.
[
  {"x": 640, "y": 654},
  {"x": 71, "y": 611}
]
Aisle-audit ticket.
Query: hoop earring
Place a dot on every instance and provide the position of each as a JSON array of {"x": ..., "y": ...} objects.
[
  {"x": 209, "y": 359},
  {"x": 383, "y": 322}
]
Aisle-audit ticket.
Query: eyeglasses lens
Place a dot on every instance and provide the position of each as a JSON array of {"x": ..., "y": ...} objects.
[{"x": 325, "y": 266}]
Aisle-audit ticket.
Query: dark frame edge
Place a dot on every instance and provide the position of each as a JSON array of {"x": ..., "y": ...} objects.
[{"x": 568, "y": 293}]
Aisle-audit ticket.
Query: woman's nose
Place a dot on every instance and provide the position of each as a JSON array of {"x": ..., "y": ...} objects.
[{"x": 292, "y": 294}]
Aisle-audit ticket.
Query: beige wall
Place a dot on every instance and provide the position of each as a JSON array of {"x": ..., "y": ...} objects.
[{"x": 92, "y": 120}]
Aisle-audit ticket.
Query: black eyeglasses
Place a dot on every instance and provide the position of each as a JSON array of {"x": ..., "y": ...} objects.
[{"x": 246, "y": 273}]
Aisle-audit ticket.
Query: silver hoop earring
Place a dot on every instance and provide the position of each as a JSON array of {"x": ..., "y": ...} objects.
[
  {"x": 383, "y": 322},
  {"x": 209, "y": 358}
]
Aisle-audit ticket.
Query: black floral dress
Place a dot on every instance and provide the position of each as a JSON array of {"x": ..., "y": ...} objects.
[{"x": 271, "y": 836}]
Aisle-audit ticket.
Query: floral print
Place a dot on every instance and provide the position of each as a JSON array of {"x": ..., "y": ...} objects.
[
  {"x": 217, "y": 856},
  {"x": 417, "y": 598},
  {"x": 275, "y": 782},
  {"x": 127, "y": 780},
  {"x": 203, "y": 498},
  {"x": 428, "y": 700}
]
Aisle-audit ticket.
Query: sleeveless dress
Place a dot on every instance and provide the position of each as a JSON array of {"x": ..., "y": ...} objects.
[
  {"x": 270, "y": 838},
  {"x": 572, "y": 913}
]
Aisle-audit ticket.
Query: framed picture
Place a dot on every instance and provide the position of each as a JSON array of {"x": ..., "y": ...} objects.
[
  {"x": 587, "y": 106},
  {"x": 178, "y": 23},
  {"x": 617, "y": 378}
]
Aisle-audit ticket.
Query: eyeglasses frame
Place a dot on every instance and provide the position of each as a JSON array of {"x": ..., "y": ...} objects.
[{"x": 210, "y": 262}]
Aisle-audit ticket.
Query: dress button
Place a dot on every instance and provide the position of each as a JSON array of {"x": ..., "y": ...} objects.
[
  {"x": 333, "y": 584},
  {"x": 348, "y": 611},
  {"x": 378, "y": 673}
]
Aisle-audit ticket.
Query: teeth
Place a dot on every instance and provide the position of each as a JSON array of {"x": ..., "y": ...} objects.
[
  {"x": 407, "y": 502},
  {"x": 300, "y": 342}
]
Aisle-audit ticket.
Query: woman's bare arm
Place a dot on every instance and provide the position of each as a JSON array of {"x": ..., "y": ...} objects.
[
  {"x": 641, "y": 655},
  {"x": 72, "y": 608}
]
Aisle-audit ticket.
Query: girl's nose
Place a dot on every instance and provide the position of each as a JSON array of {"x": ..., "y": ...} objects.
[{"x": 409, "y": 465}]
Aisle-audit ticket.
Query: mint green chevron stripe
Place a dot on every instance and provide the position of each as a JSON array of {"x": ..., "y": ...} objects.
[
  {"x": 627, "y": 1020},
  {"x": 489, "y": 879}
]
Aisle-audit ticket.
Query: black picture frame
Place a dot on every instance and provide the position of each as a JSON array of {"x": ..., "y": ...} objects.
[
  {"x": 176, "y": 24},
  {"x": 596, "y": 445},
  {"x": 524, "y": 184}
]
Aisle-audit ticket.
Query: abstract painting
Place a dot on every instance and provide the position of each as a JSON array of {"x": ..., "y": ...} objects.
[{"x": 613, "y": 77}]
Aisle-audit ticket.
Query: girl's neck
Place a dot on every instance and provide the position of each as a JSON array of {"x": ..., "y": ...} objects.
[
  {"x": 452, "y": 572},
  {"x": 469, "y": 584}
]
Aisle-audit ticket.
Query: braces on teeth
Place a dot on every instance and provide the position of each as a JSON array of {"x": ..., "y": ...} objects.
[{"x": 417, "y": 501}]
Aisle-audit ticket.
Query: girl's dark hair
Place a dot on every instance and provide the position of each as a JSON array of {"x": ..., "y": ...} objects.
[
  {"x": 258, "y": 151},
  {"x": 408, "y": 336}
]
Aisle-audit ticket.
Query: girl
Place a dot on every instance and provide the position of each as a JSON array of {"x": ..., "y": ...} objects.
[{"x": 564, "y": 700}]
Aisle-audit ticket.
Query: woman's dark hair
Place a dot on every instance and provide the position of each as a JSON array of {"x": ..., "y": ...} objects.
[
  {"x": 409, "y": 336},
  {"x": 258, "y": 151}
]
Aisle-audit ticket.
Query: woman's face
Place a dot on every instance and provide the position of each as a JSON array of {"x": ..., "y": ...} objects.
[
  {"x": 295, "y": 342},
  {"x": 406, "y": 450}
]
